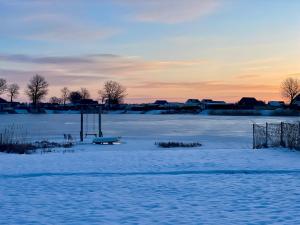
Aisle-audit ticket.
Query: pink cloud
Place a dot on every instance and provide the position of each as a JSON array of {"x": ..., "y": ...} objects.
[{"x": 170, "y": 11}]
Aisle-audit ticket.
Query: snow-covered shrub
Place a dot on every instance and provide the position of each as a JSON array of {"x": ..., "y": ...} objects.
[
  {"x": 231, "y": 112},
  {"x": 13, "y": 139},
  {"x": 178, "y": 144}
]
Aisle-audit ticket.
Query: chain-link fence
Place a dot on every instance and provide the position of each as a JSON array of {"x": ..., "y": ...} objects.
[{"x": 276, "y": 135}]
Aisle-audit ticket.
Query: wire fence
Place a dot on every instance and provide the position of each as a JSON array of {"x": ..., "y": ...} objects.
[{"x": 285, "y": 135}]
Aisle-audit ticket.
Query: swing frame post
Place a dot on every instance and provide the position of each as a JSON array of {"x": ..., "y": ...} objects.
[
  {"x": 100, "y": 134},
  {"x": 82, "y": 113},
  {"x": 81, "y": 125}
]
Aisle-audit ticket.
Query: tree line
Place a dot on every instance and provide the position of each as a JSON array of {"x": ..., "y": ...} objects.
[
  {"x": 111, "y": 93},
  {"x": 38, "y": 87}
]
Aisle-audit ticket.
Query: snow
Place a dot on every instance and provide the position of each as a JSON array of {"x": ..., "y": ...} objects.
[{"x": 222, "y": 182}]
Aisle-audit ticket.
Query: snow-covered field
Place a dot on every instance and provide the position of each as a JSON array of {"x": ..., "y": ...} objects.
[{"x": 222, "y": 182}]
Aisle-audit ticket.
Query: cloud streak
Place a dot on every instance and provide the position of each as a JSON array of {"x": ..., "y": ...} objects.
[
  {"x": 170, "y": 11},
  {"x": 89, "y": 66},
  {"x": 92, "y": 70},
  {"x": 50, "y": 21},
  {"x": 180, "y": 91},
  {"x": 216, "y": 86}
]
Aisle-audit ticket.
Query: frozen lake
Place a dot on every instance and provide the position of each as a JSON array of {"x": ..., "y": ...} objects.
[
  {"x": 213, "y": 131},
  {"x": 223, "y": 182}
]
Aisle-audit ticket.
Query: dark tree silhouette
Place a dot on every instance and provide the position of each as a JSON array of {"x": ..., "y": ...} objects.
[
  {"x": 3, "y": 86},
  {"x": 112, "y": 93},
  {"x": 65, "y": 93},
  {"x": 13, "y": 91},
  {"x": 85, "y": 94},
  {"x": 290, "y": 89},
  {"x": 37, "y": 89},
  {"x": 75, "y": 97},
  {"x": 55, "y": 100}
]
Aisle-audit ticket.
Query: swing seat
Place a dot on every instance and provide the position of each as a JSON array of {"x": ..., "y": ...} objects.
[
  {"x": 106, "y": 140},
  {"x": 91, "y": 134}
]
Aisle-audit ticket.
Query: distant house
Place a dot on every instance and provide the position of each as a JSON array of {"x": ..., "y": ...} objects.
[
  {"x": 250, "y": 103},
  {"x": 276, "y": 104},
  {"x": 3, "y": 104},
  {"x": 161, "y": 102},
  {"x": 206, "y": 101},
  {"x": 193, "y": 102},
  {"x": 247, "y": 101},
  {"x": 211, "y": 104},
  {"x": 296, "y": 102},
  {"x": 175, "y": 105},
  {"x": 88, "y": 102},
  {"x": 217, "y": 103},
  {"x": 2, "y": 101}
]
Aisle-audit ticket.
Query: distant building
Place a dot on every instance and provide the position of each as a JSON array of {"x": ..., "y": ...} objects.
[
  {"x": 88, "y": 102},
  {"x": 216, "y": 103},
  {"x": 211, "y": 104},
  {"x": 3, "y": 104},
  {"x": 250, "y": 103},
  {"x": 297, "y": 101},
  {"x": 206, "y": 101},
  {"x": 161, "y": 102},
  {"x": 2, "y": 101},
  {"x": 193, "y": 102},
  {"x": 175, "y": 105},
  {"x": 276, "y": 104}
]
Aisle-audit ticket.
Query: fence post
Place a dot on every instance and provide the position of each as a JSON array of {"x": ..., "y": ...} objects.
[
  {"x": 100, "y": 134},
  {"x": 81, "y": 125},
  {"x": 266, "y": 135},
  {"x": 281, "y": 135},
  {"x": 298, "y": 138},
  {"x": 253, "y": 131}
]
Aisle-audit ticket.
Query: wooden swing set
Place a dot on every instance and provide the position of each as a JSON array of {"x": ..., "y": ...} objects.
[
  {"x": 87, "y": 132},
  {"x": 96, "y": 131}
]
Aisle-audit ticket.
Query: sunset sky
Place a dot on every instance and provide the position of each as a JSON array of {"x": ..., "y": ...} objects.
[{"x": 158, "y": 49}]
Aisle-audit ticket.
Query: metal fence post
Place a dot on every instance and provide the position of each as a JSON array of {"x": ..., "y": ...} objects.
[
  {"x": 298, "y": 137},
  {"x": 266, "y": 135},
  {"x": 281, "y": 134},
  {"x": 253, "y": 131},
  {"x": 81, "y": 125},
  {"x": 100, "y": 134}
]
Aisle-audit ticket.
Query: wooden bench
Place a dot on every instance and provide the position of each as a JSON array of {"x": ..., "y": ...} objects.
[{"x": 106, "y": 140}]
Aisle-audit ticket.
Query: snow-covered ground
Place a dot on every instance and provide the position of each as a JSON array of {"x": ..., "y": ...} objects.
[{"x": 223, "y": 182}]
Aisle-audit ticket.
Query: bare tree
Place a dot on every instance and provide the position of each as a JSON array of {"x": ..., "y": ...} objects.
[
  {"x": 113, "y": 93},
  {"x": 37, "y": 89},
  {"x": 290, "y": 89},
  {"x": 3, "y": 86},
  {"x": 65, "y": 93},
  {"x": 75, "y": 97},
  {"x": 13, "y": 91},
  {"x": 55, "y": 100},
  {"x": 85, "y": 94}
]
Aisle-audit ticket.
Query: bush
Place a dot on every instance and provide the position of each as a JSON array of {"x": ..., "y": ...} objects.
[
  {"x": 178, "y": 145},
  {"x": 285, "y": 112},
  {"x": 234, "y": 112},
  {"x": 13, "y": 139},
  {"x": 17, "y": 148}
]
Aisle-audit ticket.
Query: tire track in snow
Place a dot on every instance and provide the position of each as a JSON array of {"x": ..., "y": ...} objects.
[{"x": 170, "y": 173}]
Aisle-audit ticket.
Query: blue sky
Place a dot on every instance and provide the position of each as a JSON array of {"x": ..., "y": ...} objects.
[{"x": 172, "y": 49}]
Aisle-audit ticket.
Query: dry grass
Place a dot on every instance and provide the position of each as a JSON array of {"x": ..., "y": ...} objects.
[{"x": 178, "y": 144}]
